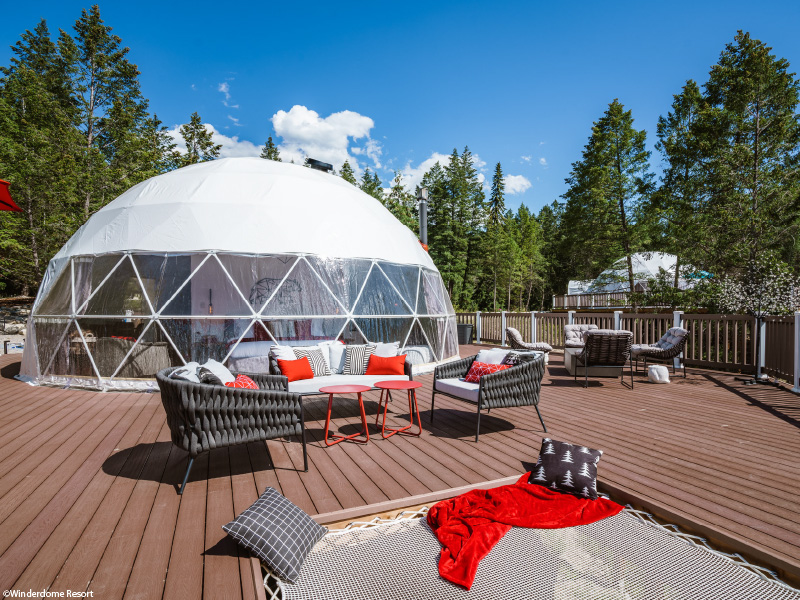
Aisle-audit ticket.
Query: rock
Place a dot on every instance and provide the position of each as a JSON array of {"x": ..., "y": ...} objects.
[{"x": 13, "y": 328}]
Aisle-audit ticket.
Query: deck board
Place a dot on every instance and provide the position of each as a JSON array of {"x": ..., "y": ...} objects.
[{"x": 88, "y": 480}]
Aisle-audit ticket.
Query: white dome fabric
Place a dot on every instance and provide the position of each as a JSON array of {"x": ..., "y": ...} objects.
[
  {"x": 248, "y": 205},
  {"x": 219, "y": 261}
]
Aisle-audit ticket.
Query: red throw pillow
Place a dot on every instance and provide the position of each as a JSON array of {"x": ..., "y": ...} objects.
[
  {"x": 242, "y": 381},
  {"x": 295, "y": 370},
  {"x": 386, "y": 365},
  {"x": 478, "y": 369}
]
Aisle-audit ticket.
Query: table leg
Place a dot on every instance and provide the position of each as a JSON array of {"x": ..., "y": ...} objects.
[
  {"x": 387, "y": 432},
  {"x": 336, "y": 438}
]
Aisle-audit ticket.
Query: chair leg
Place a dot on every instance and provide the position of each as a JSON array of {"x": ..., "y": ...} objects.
[
  {"x": 433, "y": 399},
  {"x": 631, "y": 376},
  {"x": 186, "y": 477},
  {"x": 586, "y": 372},
  {"x": 478, "y": 431},
  {"x": 536, "y": 406}
]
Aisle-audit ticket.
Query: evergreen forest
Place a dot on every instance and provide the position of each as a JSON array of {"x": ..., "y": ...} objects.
[{"x": 721, "y": 191}]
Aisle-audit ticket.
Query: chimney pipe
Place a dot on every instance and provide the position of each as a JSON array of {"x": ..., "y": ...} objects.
[{"x": 422, "y": 196}]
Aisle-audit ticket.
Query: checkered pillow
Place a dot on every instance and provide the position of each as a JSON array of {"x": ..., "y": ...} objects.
[
  {"x": 278, "y": 532},
  {"x": 479, "y": 369}
]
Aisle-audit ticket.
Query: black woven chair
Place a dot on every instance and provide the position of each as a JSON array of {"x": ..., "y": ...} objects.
[
  {"x": 515, "y": 340},
  {"x": 666, "y": 349},
  {"x": 605, "y": 349},
  {"x": 518, "y": 386},
  {"x": 202, "y": 417}
]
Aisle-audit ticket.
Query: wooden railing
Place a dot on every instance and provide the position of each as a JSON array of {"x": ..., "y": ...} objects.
[
  {"x": 779, "y": 351},
  {"x": 723, "y": 342},
  {"x": 603, "y": 300}
]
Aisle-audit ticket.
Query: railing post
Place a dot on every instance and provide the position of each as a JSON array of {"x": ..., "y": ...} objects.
[
  {"x": 478, "y": 327},
  {"x": 534, "y": 333},
  {"x": 762, "y": 353},
  {"x": 617, "y": 320},
  {"x": 570, "y": 317},
  {"x": 578, "y": 297},
  {"x": 677, "y": 321},
  {"x": 796, "y": 388},
  {"x": 503, "y": 328},
  {"x": 554, "y": 302}
]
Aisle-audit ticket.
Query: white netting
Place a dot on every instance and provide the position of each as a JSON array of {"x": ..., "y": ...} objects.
[{"x": 628, "y": 556}]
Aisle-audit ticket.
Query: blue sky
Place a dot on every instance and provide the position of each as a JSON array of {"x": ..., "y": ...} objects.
[{"x": 518, "y": 82}]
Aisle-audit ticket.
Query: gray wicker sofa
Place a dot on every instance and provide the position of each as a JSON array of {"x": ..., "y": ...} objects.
[
  {"x": 202, "y": 417},
  {"x": 518, "y": 386}
]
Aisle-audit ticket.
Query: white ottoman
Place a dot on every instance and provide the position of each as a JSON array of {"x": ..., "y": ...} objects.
[{"x": 658, "y": 374}]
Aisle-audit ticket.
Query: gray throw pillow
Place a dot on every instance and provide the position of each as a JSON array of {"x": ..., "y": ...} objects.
[
  {"x": 567, "y": 468},
  {"x": 278, "y": 532}
]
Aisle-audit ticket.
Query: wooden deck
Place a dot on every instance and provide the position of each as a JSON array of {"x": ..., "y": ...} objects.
[{"x": 87, "y": 496}]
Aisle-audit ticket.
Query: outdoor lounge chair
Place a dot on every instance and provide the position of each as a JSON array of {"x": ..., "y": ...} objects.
[
  {"x": 518, "y": 386},
  {"x": 605, "y": 349},
  {"x": 202, "y": 417},
  {"x": 573, "y": 335},
  {"x": 666, "y": 349},
  {"x": 515, "y": 340}
]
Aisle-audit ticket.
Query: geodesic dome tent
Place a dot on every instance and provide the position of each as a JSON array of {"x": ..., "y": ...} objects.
[
  {"x": 646, "y": 266},
  {"x": 220, "y": 260}
]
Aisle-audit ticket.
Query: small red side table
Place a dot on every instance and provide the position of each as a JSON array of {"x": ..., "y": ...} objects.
[
  {"x": 410, "y": 386},
  {"x": 345, "y": 389}
]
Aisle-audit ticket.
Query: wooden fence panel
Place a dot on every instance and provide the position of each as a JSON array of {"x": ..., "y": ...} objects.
[
  {"x": 521, "y": 321},
  {"x": 779, "y": 347},
  {"x": 647, "y": 329},
  {"x": 550, "y": 328},
  {"x": 720, "y": 342},
  {"x": 491, "y": 327},
  {"x": 465, "y": 318},
  {"x": 602, "y": 320}
]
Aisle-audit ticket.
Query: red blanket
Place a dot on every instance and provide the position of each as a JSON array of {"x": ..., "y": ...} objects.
[{"x": 469, "y": 525}]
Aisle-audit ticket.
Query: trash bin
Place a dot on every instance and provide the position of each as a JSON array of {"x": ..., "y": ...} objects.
[{"x": 464, "y": 334}]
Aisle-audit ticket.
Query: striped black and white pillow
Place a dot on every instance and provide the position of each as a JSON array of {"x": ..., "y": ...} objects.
[
  {"x": 319, "y": 365},
  {"x": 356, "y": 359}
]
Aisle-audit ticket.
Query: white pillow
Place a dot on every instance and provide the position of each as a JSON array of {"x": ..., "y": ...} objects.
[
  {"x": 187, "y": 372},
  {"x": 336, "y": 354},
  {"x": 283, "y": 352},
  {"x": 491, "y": 357},
  {"x": 250, "y": 349},
  {"x": 387, "y": 350},
  {"x": 221, "y": 371}
]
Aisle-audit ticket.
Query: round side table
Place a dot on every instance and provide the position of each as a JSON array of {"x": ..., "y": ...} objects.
[
  {"x": 386, "y": 388},
  {"x": 345, "y": 389}
]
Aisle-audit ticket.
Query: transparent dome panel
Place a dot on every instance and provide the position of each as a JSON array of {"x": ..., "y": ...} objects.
[
  {"x": 385, "y": 330},
  {"x": 344, "y": 277},
  {"x": 302, "y": 292},
  {"x": 405, "y": 278},
  {"x": 380, "y": 297}
]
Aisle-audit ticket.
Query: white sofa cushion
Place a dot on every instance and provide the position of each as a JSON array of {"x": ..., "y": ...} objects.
[
  {"x": 387, "y": 350},
  {"x": 494, "y": 356},
  {"x": 334, "y": 353},
  {"x": 248, "y": 349},
  {"x": 459, "y": 387},
  {"x": 220, "y": 370},
  {"x": 311, "y": 386}
]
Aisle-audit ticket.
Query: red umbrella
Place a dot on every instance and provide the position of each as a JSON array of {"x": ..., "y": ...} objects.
[{"x": 6, "y": 203}]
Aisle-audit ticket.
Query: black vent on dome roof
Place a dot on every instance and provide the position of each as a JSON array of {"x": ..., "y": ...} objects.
[{"x": 319, "y": 165}]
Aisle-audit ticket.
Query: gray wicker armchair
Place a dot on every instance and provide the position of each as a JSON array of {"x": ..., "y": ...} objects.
[
  {"x": 515, "y": 340},
  {"x": 605, "y": 349},
  {"x": 518, "y": 386},
  {"x": 667, "y": 348},
  {"x": 202, "y": 417}
]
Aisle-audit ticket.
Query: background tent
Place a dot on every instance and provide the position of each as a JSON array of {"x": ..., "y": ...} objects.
[
  {"x": 220, "y": 259},
  {"x": 646, "y": 265}
]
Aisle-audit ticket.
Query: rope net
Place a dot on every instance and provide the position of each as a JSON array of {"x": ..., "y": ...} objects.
[{"x": 626, "y": 557}]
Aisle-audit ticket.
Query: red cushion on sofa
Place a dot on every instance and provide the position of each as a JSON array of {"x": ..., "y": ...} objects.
[
  {"x": 242, "y": 381},
  {"x": 386, "y": 365},
  {"x": 295, "y": 370},
  {"x": 478, "y": 369}
]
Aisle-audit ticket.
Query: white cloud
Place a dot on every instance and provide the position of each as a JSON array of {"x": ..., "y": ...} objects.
[
  {"x": 225, "y": 88},
  {"x": 526, "y": 158},
  {"x": 516, "y": 184},
  {"x": 412, "y": 176},
  {"x": 235, "y": 120},
  {"x": 232, "y": 146},
  {"x": 543, "y": 162},
  {"x": 305, "y": 134}
]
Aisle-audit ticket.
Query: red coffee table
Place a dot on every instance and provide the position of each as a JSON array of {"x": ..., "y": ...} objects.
[
  {"x": 345, "y": 389},
  {"x": 387, "y": 386}
]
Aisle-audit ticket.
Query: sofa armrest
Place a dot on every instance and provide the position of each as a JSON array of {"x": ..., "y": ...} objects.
[
  {"x": 518, "y": 386},
  {"x": 457, "y": 368},
  {"x": 269, "y": 382},
  {"x": 407, "y": 370}
]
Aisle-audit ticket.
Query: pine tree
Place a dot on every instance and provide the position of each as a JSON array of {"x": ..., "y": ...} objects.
[
  {"x": 679, "y": 200},
  {"x": 270, "y": 151},
  {"x": 347, "y": 173},
  {"x": 749, "y": 133},
  {"x": 200, "y": 146},
  {"x": 371, "y": 184},
  {"x": 584, "y": 472},
  {"x": 608, "y": 188},
  {"x": 401, "y": 203},
  {"x": 568, "y": 480},
  {"x": 540, "y": 474},
  {"x": 496, "y": 235},
  {"x": 567, "y": 457}
]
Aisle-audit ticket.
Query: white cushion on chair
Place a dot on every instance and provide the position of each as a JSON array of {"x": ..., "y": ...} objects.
[
  {"x": 460, "y": 388},
  {"x": 658, "y": 374},
  {"x": 494, "y": 356}
]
